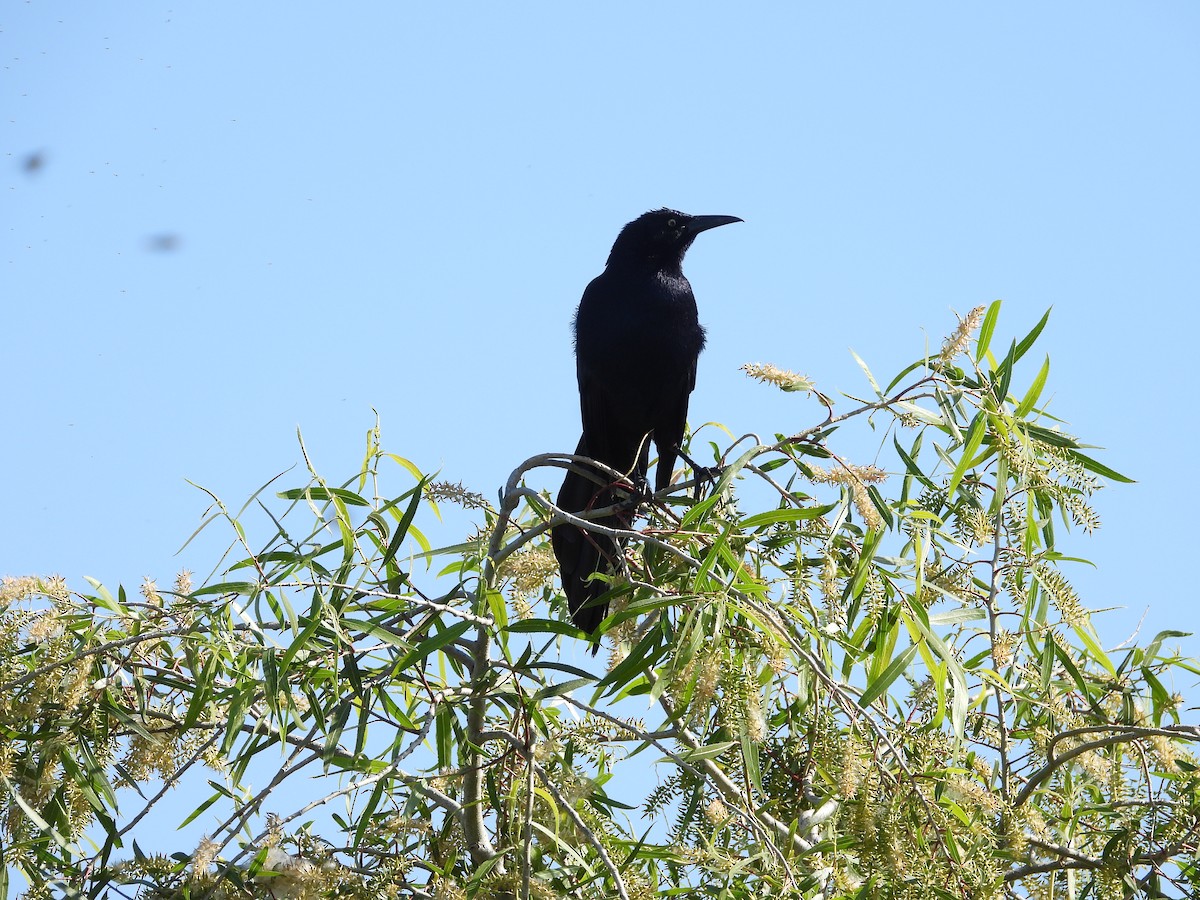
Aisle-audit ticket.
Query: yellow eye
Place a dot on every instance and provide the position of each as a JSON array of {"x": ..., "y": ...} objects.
[{"x": 670, "y": 223}]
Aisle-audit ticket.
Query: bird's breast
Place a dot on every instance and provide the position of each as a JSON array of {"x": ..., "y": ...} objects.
[{"x": 645, "y": 322}]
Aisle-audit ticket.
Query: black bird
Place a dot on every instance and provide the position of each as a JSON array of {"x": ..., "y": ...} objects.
[{"x": 637, "y": 340}]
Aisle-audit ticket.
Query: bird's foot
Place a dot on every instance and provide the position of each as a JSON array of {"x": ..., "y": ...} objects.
[
  {"x": 703, "y": 474},
  {"x": 642, "y": 489},
  {"x": 634, "y": 490}
]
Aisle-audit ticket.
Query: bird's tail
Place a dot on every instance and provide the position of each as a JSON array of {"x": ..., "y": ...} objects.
[{"x": 582, "y": 553}]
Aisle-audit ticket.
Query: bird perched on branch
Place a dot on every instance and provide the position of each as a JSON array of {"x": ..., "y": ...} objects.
[{"x": 637, "y": 340}]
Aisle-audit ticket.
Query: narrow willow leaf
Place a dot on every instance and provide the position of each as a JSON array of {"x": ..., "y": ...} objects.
[
  {"x": 199, "y": 810},
  {"x": 1069, "y": 664},
  {"x": 545, "y": 626},
  {"x": 107, "y": 600},
  {"x": 1156, "y": 644},
  {"x": 959, "y": 698},
  {"x": 700, "y": 580},
  {"x": 1158, "y": 693},
  {"x": 986, "y": 330},
  {"x": 1094, "y": 648},
  {"x": 920, "y": 413},
  {"x": 910, "y": 462},
  {"x": 700, "y": 510},
  {"x": 1035, "y": 390},
  {"x": 1048, "y": 655},
  {"x": 1026, "y": 342},
  {"x": 750, "y": 759},
  {"x": 37, "y": 820},
  {"x": 364, "y": 817},
  {"x": 708, "y": 751},
  {"x": 319, "y": 493},
  {"x": 444, "y": 735},
  {"x": 1099, "y": 468},
  {"x": 877, "y": 687},
  {"x": 775, "y": 516},
  {"x": 866, "y": 371},
  {"x": 405, "y": 522},
  {"x": 400, "y": 460},
  {"x": 1053, "y": 438},
  {"x": 649, "y": 650},
  {"x": 956, "y": 616},
  {"x": 386, "y": 635},
  {"x": 564, "y": 687},
  {"x": 974, "y": 438},
  {"x": 243, "y": 588},
  {"x": 432, "y": 644},
  {"x": 302, "y": 639},
  {"x": 912, "y": 367}
]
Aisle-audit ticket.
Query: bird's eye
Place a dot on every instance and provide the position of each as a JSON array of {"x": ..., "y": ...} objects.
[{"x": 670, "y": 223}]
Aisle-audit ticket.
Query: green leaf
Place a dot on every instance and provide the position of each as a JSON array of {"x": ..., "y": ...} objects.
[
  {"x": 986, "y": 330},
  {"x": 546, "y": 626},
  {"x": 1156, "y": 644},
  {"x": 199, "y": 810},
  {"x": 387, "y": 635},
  {"x": 701, "y": 509},
  {"x": 871, "y": 378},
  {"x": 912, "y": 367},
  {"x": 1003, "y": 375},
  {"x": 877, "y": 687},
  {"x": 920, "y": 413},
  {"x": 750, "y": 761},
  {"x": 1158, "y": 693},
  {"x": 1049, "y": 648},
  {"x": 649, "y": 650},
  {"x": 1035, "y": 390},
  {"x": 1094, "y": 648},
  {"x": 1026, "y": 342},
  {"x": 700, "y": 579},
  {"x": 910, "y": 463},
  {"x": 1053, "y": 438},
  {"x": 405, "y": 521},
  {"x": 1069, "y": 664},
  {"x": 444, "y": 735},
  {"x": 957, "y": 616},
  {"x": 244, "y": 588},
  {"x": 433, "y": 643},
  {"x": 400, "y": 460},
  {"x": 775, "y": 516},
  {"x": 365, "y": 816},
  {"x": 237, "y": 706},
  {"x": 973, "y": 439},
  {"x": 958, "y": 678},
  {"x": 708, "y": 751},
  {"x": 36, "y": 819},
  {"x": 301, "y": 640},
  {"x": 1099, "y": 468},
  {"x": 564, "y": 687},
  {"x": 323, "y": 493},
  {"x": 106, "y": 600},
  {"x": 866, "y": 558}
]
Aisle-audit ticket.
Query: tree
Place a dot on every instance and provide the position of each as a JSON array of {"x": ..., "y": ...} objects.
[{"x": 880, "y": 683}]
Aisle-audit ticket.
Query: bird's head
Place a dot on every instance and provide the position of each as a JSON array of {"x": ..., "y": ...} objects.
[{"x": 661, "y": 237}]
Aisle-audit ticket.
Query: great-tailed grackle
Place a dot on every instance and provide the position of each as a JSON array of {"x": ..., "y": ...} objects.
[{"x": 637, "y": 340}]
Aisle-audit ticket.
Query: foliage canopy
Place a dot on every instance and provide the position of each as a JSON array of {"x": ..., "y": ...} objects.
[{"x": 854, "y": 681}]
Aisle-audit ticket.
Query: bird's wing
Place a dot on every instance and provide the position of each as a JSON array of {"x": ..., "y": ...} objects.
[
  {"x": 669, "y": 427},
  {"x": 606, "y": 429}
]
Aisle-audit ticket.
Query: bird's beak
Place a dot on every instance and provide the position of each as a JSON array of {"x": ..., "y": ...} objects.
[{"x": 703, "y": 223}]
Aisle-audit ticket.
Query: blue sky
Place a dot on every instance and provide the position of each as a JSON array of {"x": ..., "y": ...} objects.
[{"x": 396, "y": 208}]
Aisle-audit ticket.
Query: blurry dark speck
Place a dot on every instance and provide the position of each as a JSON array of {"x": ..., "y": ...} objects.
[
  {"x": 166, "y": 242},
  {"x": 33, "y": 163}
]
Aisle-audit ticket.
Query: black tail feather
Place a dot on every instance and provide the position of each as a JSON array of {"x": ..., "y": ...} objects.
[{"x": 582, "y": 553}]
